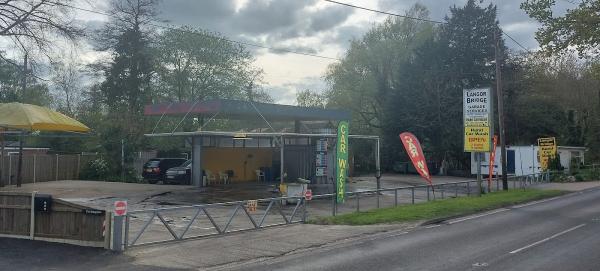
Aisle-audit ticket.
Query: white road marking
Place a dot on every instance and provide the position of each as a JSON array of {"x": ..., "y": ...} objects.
[
  {"x": 433, "y": 226},
  {"x": 535, "y": 202},
  {"x": 546, "y": 239},
  {"x": 477, "y": 216}
]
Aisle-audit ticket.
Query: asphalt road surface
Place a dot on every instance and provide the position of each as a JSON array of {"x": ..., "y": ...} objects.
[{"x": 556, "y": 234}]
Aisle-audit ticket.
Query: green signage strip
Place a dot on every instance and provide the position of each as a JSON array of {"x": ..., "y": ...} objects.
[{"x": 342, "y": 160}]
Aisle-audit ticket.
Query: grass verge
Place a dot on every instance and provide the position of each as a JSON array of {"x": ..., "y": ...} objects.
[{"x": 440, "y": 208}]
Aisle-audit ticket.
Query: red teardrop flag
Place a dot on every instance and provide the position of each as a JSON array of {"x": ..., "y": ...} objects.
[{"x": 413, "y": 148}]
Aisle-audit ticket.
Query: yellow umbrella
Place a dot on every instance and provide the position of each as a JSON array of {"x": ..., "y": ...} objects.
[
  {"x": 29, "y": 117},
  {"x": 36, "y": 118}
]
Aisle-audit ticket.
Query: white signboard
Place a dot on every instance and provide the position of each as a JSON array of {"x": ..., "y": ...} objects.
[{"x": 477, "y": 117}]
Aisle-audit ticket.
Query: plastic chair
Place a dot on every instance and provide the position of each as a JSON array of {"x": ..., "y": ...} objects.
[
  {"x": 224, "y": 176},
  {"x": 260, "y": 175},
  {"x": 210, "y": 178}
]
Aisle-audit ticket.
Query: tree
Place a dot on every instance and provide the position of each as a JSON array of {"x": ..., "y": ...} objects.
[
  {"x": 33, "y": 25},
  {"x": 67, "y": 81},
  {"x": 11, "y": 89},
  {"x": 127, "y": 86},
  {"x": 364, "y": 79},
  {"x": 578, "y": 27},
  {"x": 307, "y": 98},
  {"x": 194, "y": 64}
]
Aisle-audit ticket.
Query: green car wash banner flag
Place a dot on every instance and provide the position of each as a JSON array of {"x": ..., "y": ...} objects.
[{"x": 342, "y": 160}]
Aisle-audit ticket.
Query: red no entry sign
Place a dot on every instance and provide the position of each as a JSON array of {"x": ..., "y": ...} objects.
[
  {"x": 120, "y": 207},
  {"x": 308, "y": 194}
]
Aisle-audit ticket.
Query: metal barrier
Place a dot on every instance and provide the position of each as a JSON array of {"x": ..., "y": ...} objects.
[
  {"x": 246, "y": 208},
  {"x": 137, "y": 223}
]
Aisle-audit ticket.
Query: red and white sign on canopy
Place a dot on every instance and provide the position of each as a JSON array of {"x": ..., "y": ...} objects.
[
  {"x": 308, "y": 194},
  {"x": 120, "y": 207}
]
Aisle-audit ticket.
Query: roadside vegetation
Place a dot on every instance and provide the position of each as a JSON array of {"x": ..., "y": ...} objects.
[{"x": 440, "y": 208}]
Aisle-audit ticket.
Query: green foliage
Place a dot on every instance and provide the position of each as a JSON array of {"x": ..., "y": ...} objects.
[
  {"x": 97, "y": 169},
  {"x": 307, "y": 98},
  {"x": 440, "y": 208},
  {"x": 194, "y": 64},
  {"x": 578, "y": 27}
]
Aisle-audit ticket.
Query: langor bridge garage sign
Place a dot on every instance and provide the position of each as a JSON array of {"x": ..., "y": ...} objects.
[{"x": 477, "y": 116}]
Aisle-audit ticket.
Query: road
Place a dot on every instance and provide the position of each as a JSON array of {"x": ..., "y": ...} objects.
[{"x": 557, "y": 234}]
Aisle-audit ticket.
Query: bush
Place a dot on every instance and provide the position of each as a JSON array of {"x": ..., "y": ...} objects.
[{"x": 96, "y": 169}]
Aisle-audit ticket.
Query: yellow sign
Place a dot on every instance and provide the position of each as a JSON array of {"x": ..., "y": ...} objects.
[
  {"x": 546, "y": 151},
  {"x": 477, "y": 139}
]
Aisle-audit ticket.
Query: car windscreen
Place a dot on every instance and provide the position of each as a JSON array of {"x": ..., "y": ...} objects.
[{"x": 187, "y": 163}]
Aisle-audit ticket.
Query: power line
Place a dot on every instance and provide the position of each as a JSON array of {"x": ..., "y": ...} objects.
[
  {"x": 205, "y": 35},
  {"x": 417, "y": 19},
  {"x": 386, "y": 13}
]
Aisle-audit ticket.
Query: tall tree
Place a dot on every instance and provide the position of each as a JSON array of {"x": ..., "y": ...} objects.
[
  {"x": 194, "y": 64},
  {"x": 127, "y": 85}
]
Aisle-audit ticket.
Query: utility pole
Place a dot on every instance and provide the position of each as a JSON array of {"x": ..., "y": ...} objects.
[
  {"x": 122, "y": 160},
  {"x": 500, "y": 110},
  {"x": 20, "y": 163}
]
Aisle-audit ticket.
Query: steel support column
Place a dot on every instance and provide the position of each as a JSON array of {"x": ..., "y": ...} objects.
[{"x": 197, "y": 179}]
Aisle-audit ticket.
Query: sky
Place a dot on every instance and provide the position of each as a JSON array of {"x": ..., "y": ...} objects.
[{"x": 308, "y": 26}]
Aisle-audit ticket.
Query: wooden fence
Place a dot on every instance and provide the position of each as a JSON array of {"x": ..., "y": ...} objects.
[
  {"x": 43, "y": 167},
  {"x": 65, "y": 222}
]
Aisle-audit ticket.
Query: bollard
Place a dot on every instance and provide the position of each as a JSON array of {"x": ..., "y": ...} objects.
[
  {"x": 412, "y": 190},
  {"x": 395, "y": 197},
  {"x": 468, "y": 188},
  {"x": 357, "y": 202}
]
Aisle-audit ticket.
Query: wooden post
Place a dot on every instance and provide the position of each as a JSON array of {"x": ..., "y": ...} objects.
[
  {"x": 56, "y": 175},
  {"x": 34, "y": 165},
  {"x": 1, "y": 159},
  {"x": 78, "y": 165},
  {"x": 32, "y": 219}
]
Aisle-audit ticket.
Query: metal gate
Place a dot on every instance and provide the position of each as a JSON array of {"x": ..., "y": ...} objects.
[{"x": 153, "y": 226}]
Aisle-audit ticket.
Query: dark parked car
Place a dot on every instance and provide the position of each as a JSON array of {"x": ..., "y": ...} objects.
[
  {"x": 180, "y": 175},
  {"x": 154, "y": 170}
]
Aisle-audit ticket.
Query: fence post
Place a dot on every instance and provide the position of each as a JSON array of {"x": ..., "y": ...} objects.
[
  {"x": 117, "y": 234},
  {"x": 468, "y": 188},
  {"x": 427, "y": 193},
  {"x": 9, "y": 169},
  {"x": 357, "y": 202},
  {"x": 412, "y": 191},
  {"x": 34, "y": 166},
  {"x": 396, "y": 197},
  {"x": 78, "y": 166},
  {"x": 441, "y": 187},
  {"x": 456, "y": 190},
  {"x": 32, "y": 217},
  {"x": 56, "y": 168}
]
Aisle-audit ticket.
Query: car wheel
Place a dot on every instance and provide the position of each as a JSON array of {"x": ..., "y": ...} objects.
[{"x": 152, "y": 181}]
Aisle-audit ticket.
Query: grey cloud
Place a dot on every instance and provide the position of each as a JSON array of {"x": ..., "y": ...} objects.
[
  {"x": 260, "y": 17},
  {"x": 258, "y": 21},
  {"x": 328, "y": 18}
]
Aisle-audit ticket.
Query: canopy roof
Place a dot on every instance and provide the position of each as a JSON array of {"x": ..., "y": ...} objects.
[
  {"x": 30, "y": 117},
  {"x": 235, "y": 109}
]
